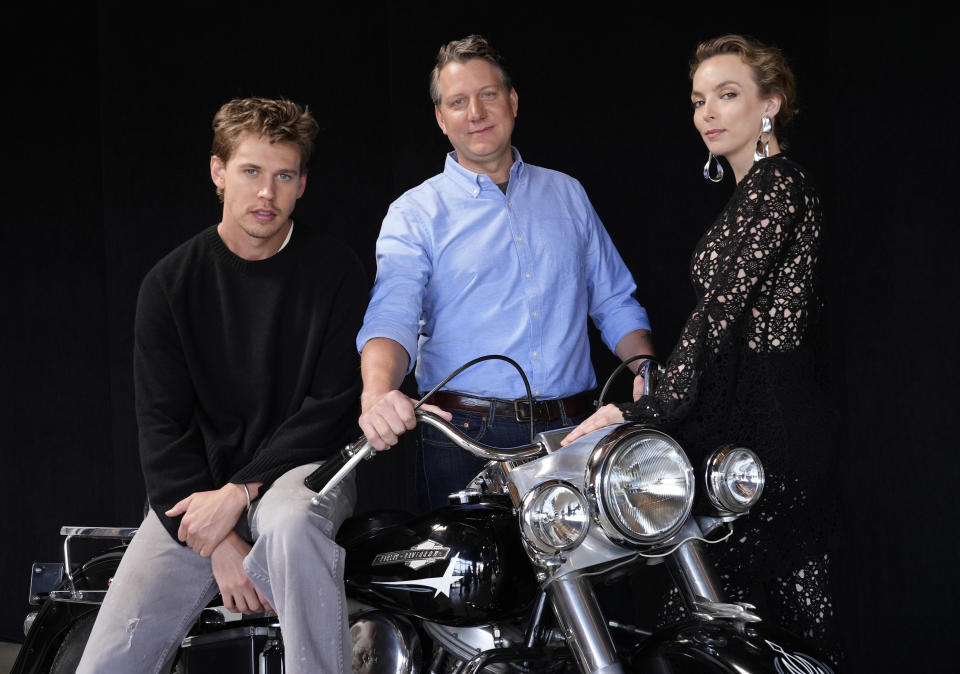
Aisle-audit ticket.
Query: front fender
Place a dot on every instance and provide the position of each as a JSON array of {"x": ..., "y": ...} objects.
[{"x": 724, "y": 646}]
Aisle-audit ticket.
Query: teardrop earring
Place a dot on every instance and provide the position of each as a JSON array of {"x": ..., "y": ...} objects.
[
  {"x": 706, "y": 169},
  {"x": 763, "y": 146}
]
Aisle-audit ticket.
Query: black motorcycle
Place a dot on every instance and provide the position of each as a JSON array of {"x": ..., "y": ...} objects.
[{"x": 500, "y": 580}]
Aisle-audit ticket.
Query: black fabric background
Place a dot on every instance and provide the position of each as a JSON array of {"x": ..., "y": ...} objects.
[{"x": 105, "y": 169}]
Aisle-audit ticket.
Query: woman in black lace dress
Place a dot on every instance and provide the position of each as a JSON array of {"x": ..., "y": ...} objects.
[{"x": 742, "y": 370}]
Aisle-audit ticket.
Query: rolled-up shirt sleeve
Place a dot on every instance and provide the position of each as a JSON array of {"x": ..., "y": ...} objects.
[
  {"x": 610, "y": 285},
  {"x": 403, "y": 270}
]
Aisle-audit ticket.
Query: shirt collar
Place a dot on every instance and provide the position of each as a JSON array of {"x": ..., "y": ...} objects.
[{"x": 471, "y": 182}]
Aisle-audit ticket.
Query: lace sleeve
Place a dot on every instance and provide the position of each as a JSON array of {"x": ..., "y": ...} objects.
[{"x": 746, "y": 272}]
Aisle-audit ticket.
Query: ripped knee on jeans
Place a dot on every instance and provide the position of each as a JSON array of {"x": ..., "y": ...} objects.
[{"x": 131, "y": 628}]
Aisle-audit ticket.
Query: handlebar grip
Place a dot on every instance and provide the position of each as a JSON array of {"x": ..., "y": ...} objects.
[{"x": 319, "y": 478}]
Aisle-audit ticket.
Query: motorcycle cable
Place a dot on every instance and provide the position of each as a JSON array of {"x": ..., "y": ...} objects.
[
  {"x": 526, "y": 383},
  {"x": 633, "y": 557},
  {"x": 613, "y": 375}
]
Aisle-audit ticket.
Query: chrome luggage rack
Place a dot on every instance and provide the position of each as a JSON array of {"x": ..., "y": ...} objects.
[{"x": 48, "y": 577}]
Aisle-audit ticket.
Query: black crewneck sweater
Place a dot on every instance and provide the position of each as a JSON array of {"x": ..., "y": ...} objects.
[{"x": 244, "y": 369}]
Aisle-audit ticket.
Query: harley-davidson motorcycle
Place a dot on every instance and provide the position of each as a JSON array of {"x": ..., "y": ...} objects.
[{"x": 503, "y": 579}]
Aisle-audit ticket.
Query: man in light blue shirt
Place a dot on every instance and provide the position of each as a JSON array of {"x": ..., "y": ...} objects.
[{"x": 492, "y": 256}]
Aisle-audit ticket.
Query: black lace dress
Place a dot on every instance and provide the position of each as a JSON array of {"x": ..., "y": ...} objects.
[{"x": 743, "y": 371}]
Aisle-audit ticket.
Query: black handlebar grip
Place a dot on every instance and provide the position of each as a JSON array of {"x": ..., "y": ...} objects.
[{"x": 318, "y": 479}]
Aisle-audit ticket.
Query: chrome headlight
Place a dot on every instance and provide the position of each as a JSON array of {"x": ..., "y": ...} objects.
[
  {"x": 734, "y": 478},
  {"x": 640, "y": 484},
  {"x": 554, "y": 516}
]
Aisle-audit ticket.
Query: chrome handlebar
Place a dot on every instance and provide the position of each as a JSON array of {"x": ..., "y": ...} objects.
[{"x": 353, "y": 454}]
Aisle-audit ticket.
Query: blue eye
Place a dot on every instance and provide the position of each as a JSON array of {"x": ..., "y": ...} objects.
[
  {"x": 697, "y": 104},
  {"x": 284, "y": 176},
  {"x": 728, "y": 95},
  {"x": 250, "y": 171}
]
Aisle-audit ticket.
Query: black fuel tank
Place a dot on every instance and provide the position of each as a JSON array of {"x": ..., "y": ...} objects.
[{"x": 459, "y": 565}]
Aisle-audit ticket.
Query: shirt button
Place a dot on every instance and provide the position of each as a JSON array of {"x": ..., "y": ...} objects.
[
  {"x": 527, "y": 274},
  {"x": 481, "y": 178},
  {"x": 535, "y": 314},
  {"x": 534, "y": 353},
  {"x": 536, "y": 393},
  {"x": 509, "y": 203},
  {"x": 519, "y": 238},
  {"x": 476, "y": 191}
]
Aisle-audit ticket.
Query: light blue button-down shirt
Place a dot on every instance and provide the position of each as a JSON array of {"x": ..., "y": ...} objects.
[{"x": 464, "y": 270}]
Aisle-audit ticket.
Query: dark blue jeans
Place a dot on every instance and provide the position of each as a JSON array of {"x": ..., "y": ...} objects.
[{"x": 443, "y": 468}]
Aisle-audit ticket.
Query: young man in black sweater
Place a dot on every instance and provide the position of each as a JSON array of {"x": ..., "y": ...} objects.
[{"x": 246, "y": 378}]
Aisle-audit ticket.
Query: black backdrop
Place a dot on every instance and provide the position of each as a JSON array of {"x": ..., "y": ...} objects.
[{"x": 107, "y": 113}]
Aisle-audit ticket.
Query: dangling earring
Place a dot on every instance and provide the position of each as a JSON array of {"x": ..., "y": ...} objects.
[
  {"x": 706, "y": 169},
  {"x": 763, "y": 146}
]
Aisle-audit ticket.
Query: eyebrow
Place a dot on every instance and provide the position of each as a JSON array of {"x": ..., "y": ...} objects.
[
  {"x": 258, "y": 167},
  {"x": 484, "y": 88},
  {"x": 719, "y": 86}
]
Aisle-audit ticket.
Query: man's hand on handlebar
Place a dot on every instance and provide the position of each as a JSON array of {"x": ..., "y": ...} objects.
[{"x": 388, "y": 416}]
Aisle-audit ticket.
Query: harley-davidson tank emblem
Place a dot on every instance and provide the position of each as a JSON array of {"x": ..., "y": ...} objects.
[{"x": 422, "y": 555}]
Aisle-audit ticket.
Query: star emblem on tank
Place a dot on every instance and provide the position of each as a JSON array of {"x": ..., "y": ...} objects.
[{"x": 441, "y": 585}]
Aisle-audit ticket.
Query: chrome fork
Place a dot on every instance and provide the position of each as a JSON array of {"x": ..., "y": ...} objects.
[{"x": 584, "y": 626}]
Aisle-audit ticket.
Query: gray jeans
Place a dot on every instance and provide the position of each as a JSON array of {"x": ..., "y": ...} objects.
[{"x": 161, "y": 586}]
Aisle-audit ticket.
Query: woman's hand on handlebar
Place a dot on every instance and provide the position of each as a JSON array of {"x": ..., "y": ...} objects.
[
  {"x": 606, "y": 415},
  {"x": 388, "y": 416}
]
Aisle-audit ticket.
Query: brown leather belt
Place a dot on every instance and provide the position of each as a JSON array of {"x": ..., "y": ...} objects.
[{"x": 519, "y": 410}]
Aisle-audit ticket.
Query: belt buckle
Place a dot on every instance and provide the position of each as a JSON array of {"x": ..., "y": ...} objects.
[{"x": 516, "y": 410}]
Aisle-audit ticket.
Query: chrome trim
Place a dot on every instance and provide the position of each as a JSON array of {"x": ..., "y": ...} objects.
[
  {"x": 464, "y": 497},
  {"x": 584, "y": 626},
  {"x": 716, "y": 492},
  {"x": 384, "y": 643},
  {"x": 466, "y": 642},
  {"x": 357, "y": 453},
  {"x": 84, "y": 596},
  {"x": 122, "y": 533},
  {"x": 692, "y": 571},
  {"x": 596, "y": 472},
  {"x": 551, "y": 439},
  {"x": 567, "y": 464},
  {"x": 117, "y": 533},
  {"x": 232, "y": 633},
  {"x": 741, "y": 612},
  {"x": 28, "y": 622},
  {"x": 478, "y": 448},
  {"x": 365, "y": 450},
  {"x": 526, "y": 528}
]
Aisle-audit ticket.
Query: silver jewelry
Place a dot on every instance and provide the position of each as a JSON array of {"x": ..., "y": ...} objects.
[
  {"x": 247, "y": 492},
  {"x": 706, "y": 169},
  {"x": 763, "y": 146}
]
